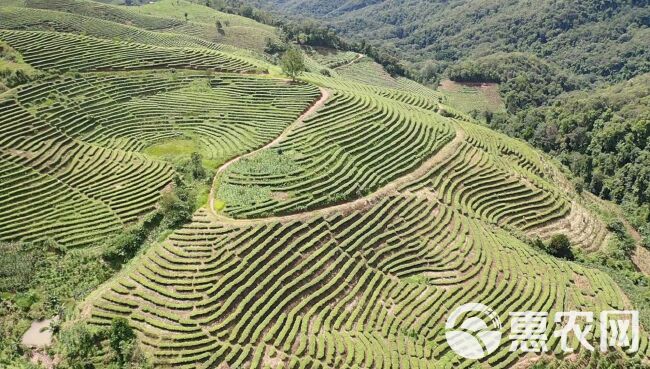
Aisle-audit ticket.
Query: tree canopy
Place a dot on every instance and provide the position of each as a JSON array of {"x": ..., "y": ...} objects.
[{"x": 293, "y": 63}]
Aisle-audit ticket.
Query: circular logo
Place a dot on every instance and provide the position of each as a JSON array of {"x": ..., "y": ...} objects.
[{"x": 472, "y": 338}]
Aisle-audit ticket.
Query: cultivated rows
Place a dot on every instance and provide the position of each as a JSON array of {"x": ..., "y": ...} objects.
[
  {"x": 80, "y": 134},
  {"x": 47, "y": 20},
  {"x": 331, "y": 58},
  {"x": 361, "y": 289},
  {"x": 486, "y": 183},
  {"x": 368, "y": 72},
  {"x": 83, "y": 190},
  {"x": 121, "y": 15},
  {"x": 35, "y": 207},
  {"x": 132, "y": 17},
  {"x": 427, "y": 100},
  {"x": 227, "y": 114},
  {"x": 355, "y": 144},
  {"x": 69, "y": 52}
]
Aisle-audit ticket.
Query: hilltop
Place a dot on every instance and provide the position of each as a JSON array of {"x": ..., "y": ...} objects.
[{"x": 179, "y": 202}]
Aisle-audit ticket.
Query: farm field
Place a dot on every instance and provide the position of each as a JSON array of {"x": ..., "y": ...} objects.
[
  {"x": 342, "y": 215},
  {"x": 469, "y": 97}
]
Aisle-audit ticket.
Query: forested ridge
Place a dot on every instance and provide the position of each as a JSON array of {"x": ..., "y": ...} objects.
[{"x": 605, "y": 39}]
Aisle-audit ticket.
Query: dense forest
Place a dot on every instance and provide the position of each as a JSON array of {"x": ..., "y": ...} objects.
[{"x": 600, "y": 39}]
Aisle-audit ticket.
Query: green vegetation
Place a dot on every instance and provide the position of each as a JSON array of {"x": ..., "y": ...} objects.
[
  {"x": 602, "y": 136},
  {"x": 172, "y": 148},
  {"x": 592, "y": 38},
  {"x": 369, "y": 217},
  {"x": 480, "y": 100},
  {"x": 13, "y": 70},
  {"x": 277, "y": 277},
  {"x": 80, "y": 346},
  {"x": 39, "y": 281},
  {"x": 324, "y": 162},
  {"x": 611, "y": 360},
  {"x": 560, "y": 246},
  {"x": 525, "y": 81},
  {"x": 293, "y": 63},
  {"x": 538, "y": 53},
  {"x": 237, "y": 30}
]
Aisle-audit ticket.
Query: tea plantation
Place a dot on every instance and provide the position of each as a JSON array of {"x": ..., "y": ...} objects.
[{"x": 348, "y": 212}]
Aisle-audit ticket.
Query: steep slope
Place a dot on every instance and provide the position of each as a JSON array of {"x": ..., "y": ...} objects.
[
  {"x": 81, "y": 135},
  {"x": 371, "y": 208},
  {"x": 366, "y": 284}
]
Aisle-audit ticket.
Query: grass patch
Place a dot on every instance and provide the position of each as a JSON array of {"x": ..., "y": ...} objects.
[
  {"x": 473, "y": 97},
  {"x": 172, "y": 148}
]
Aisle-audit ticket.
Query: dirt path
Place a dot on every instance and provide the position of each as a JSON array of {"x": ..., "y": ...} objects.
[
  {"x": 360, "y": 203},
  {"x": 37, "y": 339},
  {"x": 38, "y": 335},
  {"x": 359, "y": 57},
  {"x": 325, "y": 94}
]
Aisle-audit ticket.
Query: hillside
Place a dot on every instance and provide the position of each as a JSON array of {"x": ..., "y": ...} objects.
[
  {"x": 593, "y": 38},
  {"x": 537, "y": 54},
  {"x": 178, "y": 202}
]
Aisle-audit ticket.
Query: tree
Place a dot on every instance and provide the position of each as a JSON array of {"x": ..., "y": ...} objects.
[
  {"x": 293, "y": 63},
  {"x": 198, "y": 172},
  {"x": 220, "y": 28},
  {"x": 186, "y": 16},
  {"x": 273, "y": 48},
  {"x": 79, "y": 345},
  {"x": 579, "y": 185},
  {"x": 177, "y": 206},
  {"x": 246, "y": 11},
  {"x": 560, "y": 246},
  {"x": 121, "y": 337}
]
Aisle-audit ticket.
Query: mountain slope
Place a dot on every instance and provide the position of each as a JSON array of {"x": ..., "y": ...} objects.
[
  {"x": 348, "y": 212},
  {"x": 592, "y": 38}
]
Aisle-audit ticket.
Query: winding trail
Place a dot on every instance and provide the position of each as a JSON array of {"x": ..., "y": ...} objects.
[
  {"x": 324, "y": 95},
  {"x": 359, "y": 57},
  {"x": 361, "y": 203}
]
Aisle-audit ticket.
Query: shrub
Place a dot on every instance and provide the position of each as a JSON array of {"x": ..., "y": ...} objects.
[
  {"x": 121, "y": 337},
  {"x": 579, "y": 185},
  {"x": 78, "y": 345},
  {"x": 560, "y": 246},
  {"x": 18, "y": 262},
  {"x": 177, "y": 205},
  {"x": 198, "y": 172},
  {"x": 219, "y": 205},
  {"x": 24, "y": 301},
  {"x": 617, "y": 227},
  {"x": 624, "y": 242},
  {"x": 273, "y": 48}
]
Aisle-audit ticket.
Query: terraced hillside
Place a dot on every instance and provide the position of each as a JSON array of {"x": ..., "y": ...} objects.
[{"x": 349, "y": 211}]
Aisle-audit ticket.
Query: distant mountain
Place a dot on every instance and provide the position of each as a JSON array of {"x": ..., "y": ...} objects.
[{"x": 601, "y": 39}]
